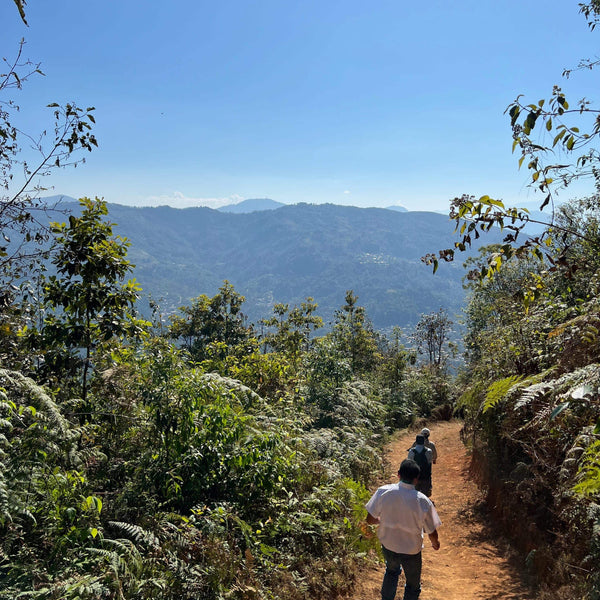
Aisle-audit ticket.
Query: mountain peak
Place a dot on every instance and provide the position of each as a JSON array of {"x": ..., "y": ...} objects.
[{"x": 252, "y": 205}]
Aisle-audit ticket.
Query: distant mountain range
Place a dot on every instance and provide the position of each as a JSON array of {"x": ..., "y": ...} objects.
[
  {"x": 254, "y": 204},
  {"x": 272, "y": 252},
  {"x": 295, "y": 251}
]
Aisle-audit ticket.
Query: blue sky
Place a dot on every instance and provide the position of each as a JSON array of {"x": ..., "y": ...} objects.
[{"x": 363, "y": 103}]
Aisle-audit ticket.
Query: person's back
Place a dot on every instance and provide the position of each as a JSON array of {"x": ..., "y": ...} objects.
[
  {"x": 403, "y": 515},
  {"x": 423, "y": 456},
  {"x": 402, "y": 508},
  {"x": 428, "y": 444}
]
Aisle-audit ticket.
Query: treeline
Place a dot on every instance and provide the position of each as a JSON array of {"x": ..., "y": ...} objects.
[{"x": 192, "y": 457}]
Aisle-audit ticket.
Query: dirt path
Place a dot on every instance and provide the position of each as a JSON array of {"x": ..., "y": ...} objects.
[{"x": 471, "y": 564}]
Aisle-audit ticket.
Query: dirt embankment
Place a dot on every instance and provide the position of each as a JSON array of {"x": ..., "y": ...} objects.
[{"x": 471, "y": 563}]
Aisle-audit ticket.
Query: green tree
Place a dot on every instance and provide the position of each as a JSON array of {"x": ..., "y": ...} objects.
[
  {"x": 394, "y": 361},
  {"x": 212, "y": 325},
  {"x": 88, "y": 300},
  {"x": 500, "y": 339},
  {"x": 293, "y": 327},
  {"x": 354, "y": 335},
  {"x": 432, "y": 334}
]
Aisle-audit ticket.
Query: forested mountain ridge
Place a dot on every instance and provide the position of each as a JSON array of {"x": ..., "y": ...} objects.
[{"x": 295, "y": 251}]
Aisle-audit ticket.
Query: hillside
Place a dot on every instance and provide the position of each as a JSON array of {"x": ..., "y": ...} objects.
[{"x": 295, "y": 251}]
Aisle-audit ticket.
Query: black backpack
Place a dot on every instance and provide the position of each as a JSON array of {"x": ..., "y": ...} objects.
[{"x": 421, "y": 459}]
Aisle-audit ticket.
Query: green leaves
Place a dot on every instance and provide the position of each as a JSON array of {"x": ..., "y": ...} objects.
[
  {"x": 514, "y": 113},
  {"x": 212, "y": 328},
  {"x": 92, "y": 503},
  {"x": 292, "y": 328},
  {"x": 498, "y": 390},
  {"x": 530, "y": 121},
  {"x": 88, "y": 302},
  {"x": 589, "y": 471}
]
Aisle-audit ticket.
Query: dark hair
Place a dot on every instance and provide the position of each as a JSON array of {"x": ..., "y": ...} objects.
[
  {"x": 420, "y": 439},
  {"x": 409, "y": 470}
]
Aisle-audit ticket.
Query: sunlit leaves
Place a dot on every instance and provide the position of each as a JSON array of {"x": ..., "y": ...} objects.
[
  {"x": 566, "y": 139},
  {"x": 88, "y": 300},
  {"x": 498, "y": 390}
]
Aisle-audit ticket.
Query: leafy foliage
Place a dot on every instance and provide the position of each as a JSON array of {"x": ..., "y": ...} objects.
[
  {"x": 497, "y": 390},
  {"x": 354, "y": 336},
  {"x": 532, "y": 344},
  {"x": 293, "y": 327},
  {"x": 185, "y": 483},
  {"x": 211, "y": 325},
  {"x": 87, "y": 301},
  {"x": 538, "y": 369},
  {"x": 432, "y": 334},
  {"x": 590, "y": 471}
]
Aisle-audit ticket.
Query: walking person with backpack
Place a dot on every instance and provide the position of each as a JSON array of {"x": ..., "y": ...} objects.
[
  {"x": 428, "y": 443},
  {"x": 423, "y": 456}
]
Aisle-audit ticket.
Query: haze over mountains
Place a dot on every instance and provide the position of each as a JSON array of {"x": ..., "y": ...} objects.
[
  {"x": 254, "y": 204},
  {"x": 289, "y": 252}
]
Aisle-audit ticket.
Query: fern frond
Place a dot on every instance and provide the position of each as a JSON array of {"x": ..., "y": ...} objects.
[
  {"x": 498, "y": 390},
  {"x": 531, "y": 393},
  {"x": 589, "y": 471},
  {"x": 36, "y": 396},
  {"x": 122, "y": 556},
  {"x": 137, "y": 533},
  {"x": 80, "y": 587}
]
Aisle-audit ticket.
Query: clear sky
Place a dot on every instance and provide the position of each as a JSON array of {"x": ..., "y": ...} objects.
[{"x": 352, "y": 102}]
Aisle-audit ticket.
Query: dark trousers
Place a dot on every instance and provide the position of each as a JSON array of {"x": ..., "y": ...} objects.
[
  {"x": 424, "y": 486},
  {"x": 394, "y": 563}
]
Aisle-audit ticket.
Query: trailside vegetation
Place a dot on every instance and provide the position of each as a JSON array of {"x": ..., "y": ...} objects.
[
  {"x": 531, "y": 403},
  {"x": 531, "y": 381}
]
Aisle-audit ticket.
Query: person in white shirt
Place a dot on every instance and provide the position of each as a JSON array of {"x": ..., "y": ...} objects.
[{"x": 403, "y": 514}]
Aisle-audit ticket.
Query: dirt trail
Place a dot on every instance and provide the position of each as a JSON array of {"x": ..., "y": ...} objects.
[{"x": 471, "y": 564}]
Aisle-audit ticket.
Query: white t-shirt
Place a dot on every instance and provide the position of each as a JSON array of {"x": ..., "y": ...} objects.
[{"x": 404, "y": 514}]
